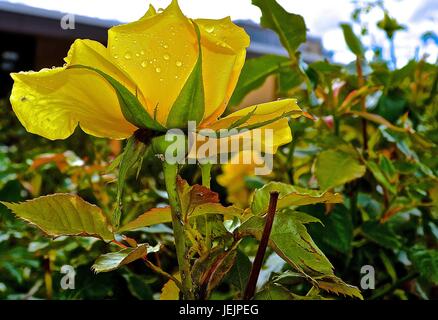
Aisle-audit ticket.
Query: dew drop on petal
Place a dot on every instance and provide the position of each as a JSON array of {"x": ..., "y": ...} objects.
[
  {"x": 209, "y": 29},
  {"x": 128, "y": 56},
  {"x": 144, "y": 64},
  {"x": 142, "y": 52},
  {"x": 166, "y": 57},
  {"x": 158, "y": 70},
  {"x": 178, "y": 63}
]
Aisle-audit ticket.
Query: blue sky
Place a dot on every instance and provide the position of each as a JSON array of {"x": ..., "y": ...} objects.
[{"x": 322, "y": 18}]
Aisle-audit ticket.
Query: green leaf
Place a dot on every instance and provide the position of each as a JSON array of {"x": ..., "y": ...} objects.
[
  {"x": 334, "y": 168},
  {"x": 195, "y": 201},
  {"x": 139, "y": 285},
  {"x": 190, "y": 104},
  {"x": 254, "y": 74},
  {"x": 239, "y": 274},
  {"x": 64, "y": 215},
  {"x": 275, "y": 291},
  {"x": 426, "y": 262},
  {"x": 114, "y": 260},
  {"x": 352, "y": 40},
  {"x": 289, "y": 78},
  {"x": 382, "y": 234},
  {"x": 290, "y": 240},
  {"x": 333, "y": 284},
  {"x": 289, "y": 196},
  {"x": 132, "y": 109},
  {"x": 336, "y": 230},
  {"x": 290, "y": 27},
  {"x": 380, "y": 177}
]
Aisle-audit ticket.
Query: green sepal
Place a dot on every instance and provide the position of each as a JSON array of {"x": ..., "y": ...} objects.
[
  {"x": 190, "y": 104},
  {"x": 131, "y": 108}
]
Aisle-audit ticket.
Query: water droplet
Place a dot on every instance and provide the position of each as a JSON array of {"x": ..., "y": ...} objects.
[
  {"x": 142, "y": 52},
  {"x": 116, "y": 56},
  {"x": 209, "y": 29},
  {"x": 128, "y": 56},
  {"x": 166, "y": 57},
  {"x": 176, "y": 77},
  {"x": 158, "y": 70},
  {"x": 178, "y": 63},
  {"x": 165, "y": 46},
  {"x": 137, "y": 54},
  {"x": 161, "y": 79},
  {"x": 144, "y": 64}
]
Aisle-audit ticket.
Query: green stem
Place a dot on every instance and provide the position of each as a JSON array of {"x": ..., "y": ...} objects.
[
  {"x": 206, "y": 174},
  {"x": 170, "y": 175},
  {"x": 206, "y": 177}
]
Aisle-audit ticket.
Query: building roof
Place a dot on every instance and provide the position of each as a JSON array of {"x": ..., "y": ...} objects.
[{"x": 47, "y": 22}]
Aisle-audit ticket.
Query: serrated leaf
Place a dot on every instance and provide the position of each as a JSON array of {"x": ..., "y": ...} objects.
[
  {"x": 289, "y": 196},
  {"x": 254, "y": 73},
  {"x": 276, "y": 292},
  {"x": 290, "y": 240},
  {"x": 426, "y": 262},
  {"x": 290, "y": 27},
  {"x": 382, "y": 234},
  {"x": 195, "y": 201},
  {"x": 64, "y": 215},
  {"x": 131, "y": 108},
  {"x": 352, "y": 40},
  {"x": 190, "y": 103},
  {"x": 114, "y": 260},
  {"x": 334, "y": 168},
  {"x": 337, "y": 286}
]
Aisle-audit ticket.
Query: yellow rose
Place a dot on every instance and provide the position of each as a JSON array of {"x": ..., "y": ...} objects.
[{"x": 166, "y": 62}]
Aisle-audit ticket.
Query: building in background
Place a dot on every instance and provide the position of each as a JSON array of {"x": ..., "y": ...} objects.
[{"x": 32, "y": 39}]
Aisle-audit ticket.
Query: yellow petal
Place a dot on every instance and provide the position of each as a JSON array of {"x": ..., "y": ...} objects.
[
  {"x": 159, "y": 53},
  {"x": 233, "y": 179},
  {"x": 265, "y": 139},
  {"x": 52, "y": 102},
  {"x": 150, "y": 13},
  {"x": 93, "y": 54},
  {"x": 261, "y": 113},
  {"x": 223, "y": 55}
]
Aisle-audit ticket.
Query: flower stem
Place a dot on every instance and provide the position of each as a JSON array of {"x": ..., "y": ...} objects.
[
  {"x": 206, "y": 177},
  {"x": 258, "y": 261},
  {"x": 170, "y": 175}
]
